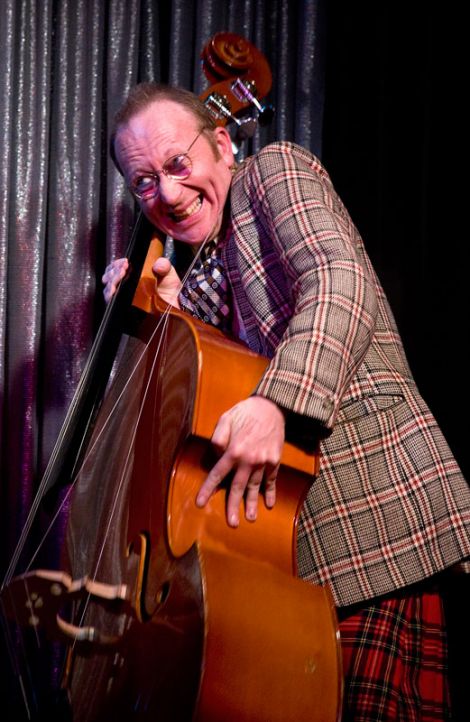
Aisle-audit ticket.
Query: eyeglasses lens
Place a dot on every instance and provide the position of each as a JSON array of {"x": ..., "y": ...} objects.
[{"x": 179, "y": 167}]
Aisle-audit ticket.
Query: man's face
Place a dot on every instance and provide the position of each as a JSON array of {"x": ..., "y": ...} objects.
[{"x": 189, "y": 210}]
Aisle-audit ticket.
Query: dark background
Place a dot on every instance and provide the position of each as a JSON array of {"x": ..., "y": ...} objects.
[{"x": 395, "y": 141}]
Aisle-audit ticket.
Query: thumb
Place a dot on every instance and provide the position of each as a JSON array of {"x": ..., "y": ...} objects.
[
  {"x": 168, "y": 283},
  {"x": 222, "y": 432},
  {"x": 161, "y": 267}
]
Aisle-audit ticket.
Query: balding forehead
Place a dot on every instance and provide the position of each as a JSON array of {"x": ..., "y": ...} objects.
[{"x": 166, "y": 109}]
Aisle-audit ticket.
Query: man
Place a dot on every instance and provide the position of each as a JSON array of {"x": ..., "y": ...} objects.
[{"x": 389, "y": 510}]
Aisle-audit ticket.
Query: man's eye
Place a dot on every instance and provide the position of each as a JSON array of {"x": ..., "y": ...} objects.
[
  {"x": 179, "y": 166},
  {"x": 145, "y": 184}
]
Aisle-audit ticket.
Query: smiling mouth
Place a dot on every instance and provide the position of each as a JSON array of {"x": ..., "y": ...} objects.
[{"x": 190, "y": 211}]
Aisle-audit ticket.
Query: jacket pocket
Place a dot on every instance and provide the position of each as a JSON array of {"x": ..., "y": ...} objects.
[{"x": 353, "y": 410}]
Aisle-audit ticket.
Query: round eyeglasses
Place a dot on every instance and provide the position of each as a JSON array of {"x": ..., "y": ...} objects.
[{"x": 147, "y": 185}]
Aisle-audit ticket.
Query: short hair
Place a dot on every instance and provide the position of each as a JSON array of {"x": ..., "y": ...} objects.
[{"x": 144, "y": 94}]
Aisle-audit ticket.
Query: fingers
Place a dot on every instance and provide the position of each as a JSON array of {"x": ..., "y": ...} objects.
[
  {"x": 250, "y": 438},
  {"x": 247, "y": 484},
  {"x": 262, "y": 479},
  {"x": 112, "y": 277},
  {"x": 270, "y": 486},
  {"x": 220, "y": 440},
  {"x": 213, "y": 480},
  {"x": 222, "y": 432},
  {"x": 252, "y": 495}
]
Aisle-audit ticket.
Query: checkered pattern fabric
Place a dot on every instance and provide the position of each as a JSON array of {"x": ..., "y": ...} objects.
[
  {"x": 395, "y": 659},
  {"x": 390, "y": 506},
  {"x": 205, "y": 295}
]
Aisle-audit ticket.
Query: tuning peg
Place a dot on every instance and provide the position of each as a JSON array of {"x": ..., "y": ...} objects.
[
  {"x": 246, "y": 91},
  {"x": 219, "y": 106}
]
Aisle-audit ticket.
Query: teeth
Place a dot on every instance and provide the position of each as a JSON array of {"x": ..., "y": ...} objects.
[{"x": 189, "y": 210}]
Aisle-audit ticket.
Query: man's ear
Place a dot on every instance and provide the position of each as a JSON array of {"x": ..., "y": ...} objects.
[{"x": 224, "y": 145}]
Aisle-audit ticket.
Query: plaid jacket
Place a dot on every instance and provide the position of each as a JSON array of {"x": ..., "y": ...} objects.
[{"x": 390, "y": 506}]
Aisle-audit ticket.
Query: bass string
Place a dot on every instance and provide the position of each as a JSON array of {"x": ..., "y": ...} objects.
[
  {"x": 13, "y": 655},
  {"x": 40, "y": 493},
  {"x": 57, "y": 450},
  {"x": 125, "y": 466},
  {"x": 163, "y": 322},
  {"x": 21, "y": 667}
]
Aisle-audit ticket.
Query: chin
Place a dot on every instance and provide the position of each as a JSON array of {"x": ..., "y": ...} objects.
[
  {"x": 193, "y": 236},
  {"x": 189, "y": 240}
]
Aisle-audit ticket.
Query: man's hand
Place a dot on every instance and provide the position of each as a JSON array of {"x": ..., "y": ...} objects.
[
  {"x": 167, "y": 281},
  {"x": 113, "y": 276},
  {"x": 250, "y": 438}
]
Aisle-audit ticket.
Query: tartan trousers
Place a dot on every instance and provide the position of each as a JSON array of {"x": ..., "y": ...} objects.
[{"x": 395, "y": 658}]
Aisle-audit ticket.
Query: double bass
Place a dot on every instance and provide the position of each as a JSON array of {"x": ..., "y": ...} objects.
[{"x": 168, "y": 614}]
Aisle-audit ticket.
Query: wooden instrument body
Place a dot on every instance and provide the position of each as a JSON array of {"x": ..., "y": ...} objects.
[
  {"x": 171, "y": 615},
  {"x": 217, "y": 624}
]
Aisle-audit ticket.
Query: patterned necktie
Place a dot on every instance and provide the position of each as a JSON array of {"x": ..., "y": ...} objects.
[{"x": 206, "y": 294}]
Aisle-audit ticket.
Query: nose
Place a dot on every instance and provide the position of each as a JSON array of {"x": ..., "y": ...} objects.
[{"x": 169, "y": 190}]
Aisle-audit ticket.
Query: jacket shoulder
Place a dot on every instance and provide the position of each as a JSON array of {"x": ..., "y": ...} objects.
[{"x": 281, "y": 156}]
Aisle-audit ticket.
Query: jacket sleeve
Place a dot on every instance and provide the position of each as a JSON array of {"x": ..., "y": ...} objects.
[{"x": 333, "y": 296}]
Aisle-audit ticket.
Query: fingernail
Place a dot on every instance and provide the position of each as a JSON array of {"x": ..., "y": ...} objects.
[{"x": 233, "y": 521}]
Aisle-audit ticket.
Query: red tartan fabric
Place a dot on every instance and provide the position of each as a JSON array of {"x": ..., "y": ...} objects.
[{"x": 395, "y": 659}]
